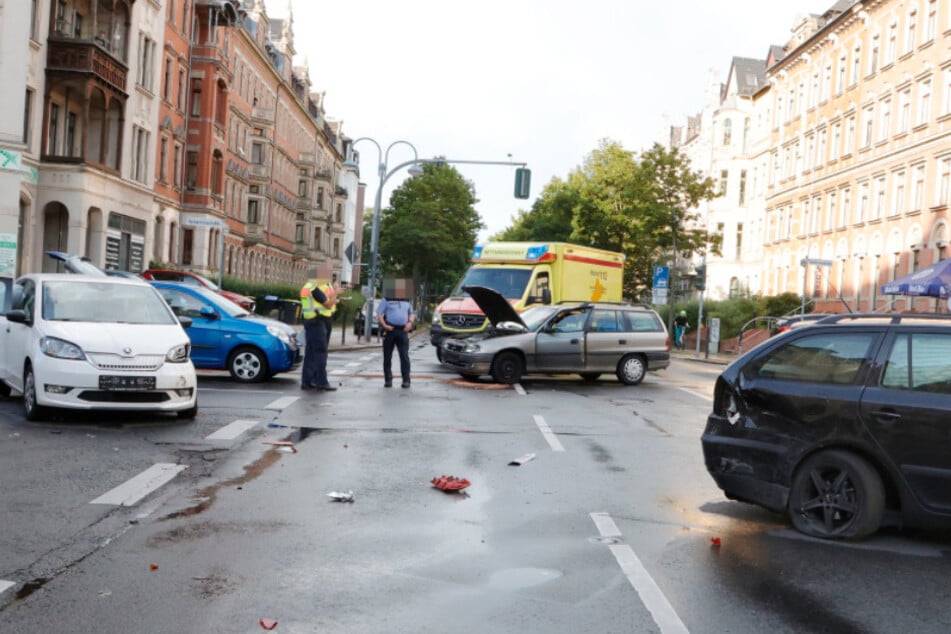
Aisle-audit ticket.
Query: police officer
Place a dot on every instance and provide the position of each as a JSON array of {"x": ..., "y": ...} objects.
[
  {"x": 396, "y": 320},
  {"x": 318, "y": 304}
]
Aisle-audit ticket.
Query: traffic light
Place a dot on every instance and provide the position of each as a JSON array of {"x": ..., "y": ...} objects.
[
  {"x": 523, "y": 182},
  {"x": 700, "y": 282}
]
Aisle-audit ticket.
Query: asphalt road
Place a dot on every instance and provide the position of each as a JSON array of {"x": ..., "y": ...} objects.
[{"x": 152, "y": 525}]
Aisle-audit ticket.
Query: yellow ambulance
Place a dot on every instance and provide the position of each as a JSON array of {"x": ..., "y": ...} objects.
[{"x": 527, "y": 273}]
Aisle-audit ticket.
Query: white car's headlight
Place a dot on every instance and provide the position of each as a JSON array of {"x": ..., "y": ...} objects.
[
  {"x": 60, "y": 349},
  {"x": 280, "y": 334},
  {"x": 179, "y": 354}
]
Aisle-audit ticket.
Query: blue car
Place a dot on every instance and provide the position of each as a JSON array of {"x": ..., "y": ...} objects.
[{"x": 225, "y": 336}]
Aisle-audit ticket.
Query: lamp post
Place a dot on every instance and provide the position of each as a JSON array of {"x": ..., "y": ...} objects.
[{"x": 375, "y": 231}]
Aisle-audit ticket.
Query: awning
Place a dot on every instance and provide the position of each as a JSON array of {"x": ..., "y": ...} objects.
[{"x": 931, "y": 281}]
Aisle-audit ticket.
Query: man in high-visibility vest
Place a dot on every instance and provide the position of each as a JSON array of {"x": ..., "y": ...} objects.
[{"x": 318, "y": 304}]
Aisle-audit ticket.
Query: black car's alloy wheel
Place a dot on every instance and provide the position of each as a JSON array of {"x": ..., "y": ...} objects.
[{"x": 836, "y": 495}]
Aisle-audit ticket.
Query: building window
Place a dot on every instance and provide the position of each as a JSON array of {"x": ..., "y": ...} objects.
[
  {"x": 727, "y": 132},
  {"x": 830, "y": 215},
  {"x": 191, "y": 179},
  {"x": 739, "y": 240},
  {"x": 71, "y": 146},
  {"x": 188, "y": 237},
  {"x": 721, "y": 188},
  {"x": 336, "y": 248},
  {"x": 836, "y": 142},
  {"x": 254, "y": 211},
  {"x": 849, "y": 136},
  {"x": 869, "y": 123},
  {"x": 846, "y": 207},
  {"x": 196, "y": 97},
  {"x": 52, "y": 144},
  {"x": 918, "y": 193},
  {"x": 34, "y": 27},
  {"x": 177, "y": 166},
  {"x": 140, "y": 148},
  {"x": 840, "y": 75},
  {"x": 146, "y": 55},
  {"x": 27, "y": 117},
  {"x": 856, "y": 66},
  {"x": 891, "y": 47},
  {"x": 944, "y": 182},
  {"x": 163, "y": 161},
  {"x": 879, "y": 210},
  {"x": 862, "y": 211},
  {"x": 910, "y": 31},
  {"x": 167, "y": 80},
  {"x": 181, "y": 90},
  {"x": 217, "y": 173},
  {"x": 338, "y": 216},
  {"x": 898, "y": 193},
  {"x": 257, "y": 153},
  {"x": 320, "y": 198},
  {"x": 302, "y": 188},
  {"x": 924, "y": 102},
  {"x": 821, "y": 148},
  {"x": 931, "y": 20},
  {"x": 742, "y": 197},
  {"x": 885, "y": 115},
  {"x": 904, "y": 111}
]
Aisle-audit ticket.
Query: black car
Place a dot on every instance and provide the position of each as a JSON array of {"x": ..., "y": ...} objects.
[{"x": 845, "y": 425}]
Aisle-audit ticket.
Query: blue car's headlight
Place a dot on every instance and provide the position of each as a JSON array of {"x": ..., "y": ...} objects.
[
  {"x": 280, "y": 334},
  {"x": 60, "y": 349}
]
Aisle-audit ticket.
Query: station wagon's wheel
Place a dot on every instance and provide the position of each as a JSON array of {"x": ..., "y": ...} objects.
[
  {"x": 507, "y": 367},
  {"x": 31, "y": 410},
  {"x": 631, "y": 369},
  {"x": 439, "y": 353},
  {"x": 590, "y": 376},
  {"x": 836, "y": 495},
  {"x": 247, "y": 364}
]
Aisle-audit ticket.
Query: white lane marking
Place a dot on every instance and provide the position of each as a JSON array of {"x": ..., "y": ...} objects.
[
  {"x": 705, "y": 397},
  {"x": 549, "y": 435},
  {"x": 367, "y": 357},
  {"x": 232, "y": 430},
  {"x": 133, "y": 490},
  {"x": 217, "y": 389},
  {"x": 281, "y": 403},
  {"x": 647, "y": 589},
  {"x": 354, "y": 364},
  {"x": 338, "y": 372},
  {"x": 520, "y": 389},
  {"x": 5, "y": 585}
]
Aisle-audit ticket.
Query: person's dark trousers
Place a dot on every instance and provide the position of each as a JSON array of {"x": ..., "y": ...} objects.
[
  {"x": 400, "y": 339},
  {"x": 328, "y": 327},
  {"x": 314, "y": 370}
]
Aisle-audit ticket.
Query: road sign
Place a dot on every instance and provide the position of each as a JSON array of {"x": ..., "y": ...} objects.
[
  {"x": 661, "y": 277},
  {"x": 199, "y": 221},
  {"x": 659, "y": 297}
]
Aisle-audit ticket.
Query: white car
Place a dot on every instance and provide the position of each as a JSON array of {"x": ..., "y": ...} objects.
[{"x": 94, "y": 342}]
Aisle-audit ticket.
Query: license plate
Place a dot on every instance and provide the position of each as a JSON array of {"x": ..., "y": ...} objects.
[{"x": 120, "y": 383}]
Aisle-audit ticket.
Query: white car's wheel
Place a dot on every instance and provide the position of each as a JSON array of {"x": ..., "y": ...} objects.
[{"x": 31, "y": 409}]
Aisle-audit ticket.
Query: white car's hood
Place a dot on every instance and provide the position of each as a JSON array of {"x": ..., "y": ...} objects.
[{"x": 115, "y": 338}]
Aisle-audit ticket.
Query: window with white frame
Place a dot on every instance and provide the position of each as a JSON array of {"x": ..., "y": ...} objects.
[
  {"x": 918, "y": 188},
  {"x": 868, "y": 121},
  {"x": 924, "y": 102},
  {"x": 163, "y": 160},
  {"x": 821, "y": 148},
  {"x": 856, "y": 65},
  {"x": 826, "y": 87},
  {"x": 878, "y": 210},
  {"x": 146, "y": 54},
  {"x": 898, "y": 192},
  {"x": 946, "y": 107},
  {"x": 724, "y": 176},
  {"x": 791, "y": 105},
  {"x": 891, "y": 46},
  {"x": 140, "y": 154},
  {"x": 742, "y": 196},
  {"x": 840, "y": 75},
  {"x": 814, "y": 90},
  {"x": 904, "y": 110},
  {"x": 873, "y": 57},
  {"x": 849, "y": 136},
  {"x": 931, "y": 20},
  {"x": 797, "y": 159},
  {"x": 885, "y": 119},
  {"x": 830, "y": 215},
  {"x": 846, "y": 207},
  {"x": 816, "y": 215},
  {"x": 836, "y": 141},
  {"x": 910, "y": 26},
  {"x": 944, "y": 181},
  {"x": 861, "y": 211},
  {"x": 810, "y": 151},
  {"x": 727, "y": 132}
]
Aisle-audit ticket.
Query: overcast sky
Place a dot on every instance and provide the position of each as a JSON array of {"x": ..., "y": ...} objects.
[{"x": 542, "y": 80}]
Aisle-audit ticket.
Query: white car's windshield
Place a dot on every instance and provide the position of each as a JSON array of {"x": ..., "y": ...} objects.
[{"x": 104, "y": 302}]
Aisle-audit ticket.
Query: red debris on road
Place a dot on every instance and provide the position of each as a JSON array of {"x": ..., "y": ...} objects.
[{"x": 450, "y": 483}]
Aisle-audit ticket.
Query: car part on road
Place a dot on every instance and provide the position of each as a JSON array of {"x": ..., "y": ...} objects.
[
  {"x": 449, "y": 483},
  {"x": 341, "y": 496}
]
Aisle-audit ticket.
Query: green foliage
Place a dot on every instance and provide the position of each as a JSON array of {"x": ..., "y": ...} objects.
[
  {"x": 550, "y": 217},
  {"x": 430, "y": 228},
  {"x": 734, "y": 313},
  {"x": 779, "y": 305}
]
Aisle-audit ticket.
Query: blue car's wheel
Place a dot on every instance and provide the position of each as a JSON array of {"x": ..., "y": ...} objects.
[{"x": 248, "y": 365}]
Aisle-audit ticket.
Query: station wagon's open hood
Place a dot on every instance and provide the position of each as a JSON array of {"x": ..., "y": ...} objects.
[{"x": 495, "y": 307}]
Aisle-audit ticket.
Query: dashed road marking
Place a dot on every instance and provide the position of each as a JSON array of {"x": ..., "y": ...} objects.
[
  {"x": 520, "y": 389},
  {"x": 133, "y": 490},
  {"x": 647, "y": 589},
  {"x": 232, "y": 430},
  {"x": 6, "y": 585},
  {"x": 549, "y": 435},
  {"x": 339, "y": 371},
  {"x": 281, "y": 403},
  {"x": 354, "y": 364}
]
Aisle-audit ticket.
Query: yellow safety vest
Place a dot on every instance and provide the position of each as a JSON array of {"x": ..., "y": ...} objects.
[{"x": 309, "y": 307}]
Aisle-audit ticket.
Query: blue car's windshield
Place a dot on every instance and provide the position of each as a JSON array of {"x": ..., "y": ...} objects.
[
  {"x": 225, "y": 305},
  {"x": 509, "y": 282}
]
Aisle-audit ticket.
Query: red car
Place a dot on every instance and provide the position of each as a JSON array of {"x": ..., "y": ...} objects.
[{"x": 194, "y": 279}]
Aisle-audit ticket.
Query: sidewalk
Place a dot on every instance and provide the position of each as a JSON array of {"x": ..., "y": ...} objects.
[{"x": 691, "y": 355}]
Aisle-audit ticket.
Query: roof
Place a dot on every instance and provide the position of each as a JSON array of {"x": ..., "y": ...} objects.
[{"x": 750, "y": 75}]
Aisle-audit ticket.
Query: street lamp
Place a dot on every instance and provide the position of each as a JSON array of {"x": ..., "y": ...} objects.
[{"x": 384, "y": 175}]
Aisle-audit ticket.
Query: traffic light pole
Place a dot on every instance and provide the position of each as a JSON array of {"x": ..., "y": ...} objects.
[{"x": 700, "y": 311}]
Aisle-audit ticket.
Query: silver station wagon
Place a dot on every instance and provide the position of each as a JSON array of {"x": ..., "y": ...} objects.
[{"x": 589, "y": 338}]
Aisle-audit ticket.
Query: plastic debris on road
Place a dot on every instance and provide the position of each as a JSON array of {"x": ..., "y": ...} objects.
[
  {"x": 450, "y": 483},
  {"x": 153, "y": 566},
  {"x": 715, "y": 542},
  {"x": 282, "y": 445},
  {"x": 518, "y": 462},
  {"x": 268, "y": 624},
  {"x": 341, "y": 496}
]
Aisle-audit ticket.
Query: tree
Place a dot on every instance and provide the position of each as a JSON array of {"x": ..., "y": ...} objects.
[
  {"x": 549, "y": 219},
  {"x": 430, "y": 228}
]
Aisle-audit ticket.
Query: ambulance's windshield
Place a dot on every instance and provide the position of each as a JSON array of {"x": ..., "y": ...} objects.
[{"x": 510, "y": 283}]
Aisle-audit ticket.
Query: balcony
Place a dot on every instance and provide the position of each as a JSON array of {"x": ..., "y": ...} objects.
[
  {"x": 253, "y": 234},
  {"x": 323, "y": 175},
  {"x": 78, "y": 56},
  {"x": 258, "y": 170}
]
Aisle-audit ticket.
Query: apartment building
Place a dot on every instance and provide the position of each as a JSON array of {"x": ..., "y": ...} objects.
[
  {"x": 172, "y": 131},
  {"x": 850, "y": 158}
]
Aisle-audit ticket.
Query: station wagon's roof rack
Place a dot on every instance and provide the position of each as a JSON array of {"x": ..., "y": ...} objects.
[{"x": 893, "y": 318}]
